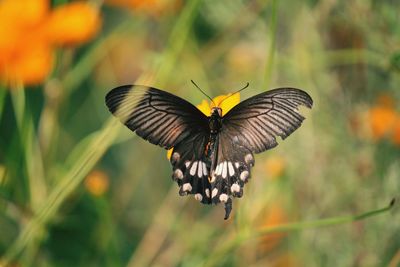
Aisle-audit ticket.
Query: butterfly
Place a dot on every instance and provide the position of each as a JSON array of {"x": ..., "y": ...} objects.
[{"x": 212, "y": 156}]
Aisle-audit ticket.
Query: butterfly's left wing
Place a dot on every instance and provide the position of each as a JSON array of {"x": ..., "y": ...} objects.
[
  {"x": 257, "y": 121},
  {"x": 252, "y": 127}
]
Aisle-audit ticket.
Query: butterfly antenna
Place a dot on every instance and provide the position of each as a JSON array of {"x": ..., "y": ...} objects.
[
  {"x": 202, "y": 91},
  {"x": 238, "y": 91}
]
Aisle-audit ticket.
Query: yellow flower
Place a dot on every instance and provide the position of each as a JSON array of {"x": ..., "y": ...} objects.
[
  {"x": 169, "y": 153},
  {"x": 97, "y": 183},
  {"x": 29, "y": 32},
  {"x": 225, "y": 102}
]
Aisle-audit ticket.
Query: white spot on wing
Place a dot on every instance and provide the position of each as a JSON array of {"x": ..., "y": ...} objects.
[
  {"x": 244, "y": 175},
  {"x": 178, "y": 174},
  {"x": 204, "y": 169},
  {"x": 223, "y": 198},
  {"x": 193, "y": 168},
  {"x": 200, "y": 170},
  {"x": 186, "y": 187},
  {"x": 218, "y": 169},
  {"x": 214, "y": 192},
  {"x": 249, "y": 159},
  {"x": 237, "y": 165},
  {"x": 224, "y": 170},
  {"x": 213, "y": 176},
  {"x": 231, "y": 169},
  {"x": 187, "y": 163},
  {"x": 176, "y": 156},
  {"x": 198, "y": 197},
  {"x": 235, "y": 188},
  {"x": 207, "y": 191}
]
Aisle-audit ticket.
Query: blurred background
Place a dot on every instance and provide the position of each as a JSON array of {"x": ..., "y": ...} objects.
[{"x": 79, "y": 189}]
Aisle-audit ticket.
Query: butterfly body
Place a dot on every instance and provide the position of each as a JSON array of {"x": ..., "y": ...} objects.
[
  {"x": 215, "y": 124},
  {"x": 212, "y": 155}
]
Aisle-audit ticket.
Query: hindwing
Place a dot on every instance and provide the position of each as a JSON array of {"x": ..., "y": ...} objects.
[{"x": 191, "y": 167}]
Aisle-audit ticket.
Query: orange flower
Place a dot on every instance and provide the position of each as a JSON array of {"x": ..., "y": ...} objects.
[
  {"x": 274, "y": 166},
  {"x": 30, "y": 31},
  {"x": 396, "y": 132},
  {"x": 382, "y": 120},
  {"x": 97, "y": 183},
  {"x": 206, "y": 106},
  {"x": 74, "y": 23},
  {"x": 152, "y": 7},
  {"x": 275, "y": 216},
  {"x": 287, "y": 259}
]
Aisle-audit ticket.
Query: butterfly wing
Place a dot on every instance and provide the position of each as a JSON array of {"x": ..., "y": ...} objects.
[
  {"x": 157, "y": 116},
  {"x": 191, "y": 167},
  {"x": 257, "y": 121},
  {"x": 168, "y": 121},
  {"x": 252, "y": 127}
]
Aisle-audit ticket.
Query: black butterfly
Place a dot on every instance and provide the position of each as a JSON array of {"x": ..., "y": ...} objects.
[{"x": 212, "y": 156}]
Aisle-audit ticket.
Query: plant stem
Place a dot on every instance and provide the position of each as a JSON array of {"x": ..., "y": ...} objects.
[
  {"x": 3, "y": 93},
  {"x": 215, "y": 258},
  {"x": 271, "y": 50},
  {"x": 32, "y": 153},
  {"x": 176, "y": 41}
]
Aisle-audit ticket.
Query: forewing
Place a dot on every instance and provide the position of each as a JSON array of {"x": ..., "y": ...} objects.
[
  {"x": 155, "y": 115},
  {"x": 257, "y": 121}
]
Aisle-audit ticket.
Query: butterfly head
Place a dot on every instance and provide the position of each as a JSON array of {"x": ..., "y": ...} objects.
[{"x": 216, "y": 111}]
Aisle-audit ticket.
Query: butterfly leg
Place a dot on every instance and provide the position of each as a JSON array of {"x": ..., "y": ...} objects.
[{"x": 228, "y": 208}]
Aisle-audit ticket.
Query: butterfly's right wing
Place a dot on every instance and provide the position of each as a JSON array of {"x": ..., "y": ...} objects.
[{"x": 157, "y": 116}]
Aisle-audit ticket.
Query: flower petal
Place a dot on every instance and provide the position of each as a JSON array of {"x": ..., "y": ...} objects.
[
  {"x": 225, "y": 102},
  {"x": 30, "y": 66},
  {"x": 17, "y": 20},
  {"x": 25, "y": 13},
  {"x": 204, "y": 107},
  {"x": 229, "y": 103},
  {"x": 382, "y": 120},
  {"x": 73, "y": 23},
  {"x": 151, "y": 7},
  {"x": 97, "y": 183},
  {"x": 396, "y": 132},
  {"x": 169, "y": 153}
]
